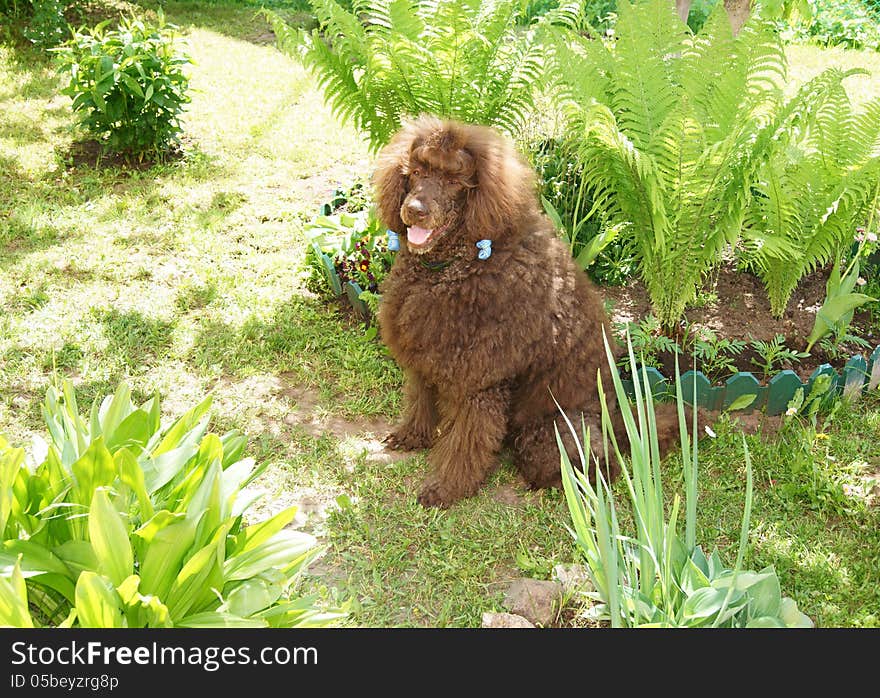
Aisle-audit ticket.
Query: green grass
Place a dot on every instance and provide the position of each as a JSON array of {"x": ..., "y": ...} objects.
[{"x": 186, "y": 278}]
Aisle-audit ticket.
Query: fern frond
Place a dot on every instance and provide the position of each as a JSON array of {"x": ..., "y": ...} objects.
[
  {"x": 388, "y": 59},
  {"x": 815, "y": 191}
]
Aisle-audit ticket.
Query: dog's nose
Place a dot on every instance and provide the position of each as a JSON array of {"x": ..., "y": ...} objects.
[{"x": 416, "y": 208}]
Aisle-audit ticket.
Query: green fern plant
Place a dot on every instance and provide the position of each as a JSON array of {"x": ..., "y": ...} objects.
[
  {"x": 813, "y": 193},
  {"x": 674, "y": 127},
  {"x": 386, "y": 60}
]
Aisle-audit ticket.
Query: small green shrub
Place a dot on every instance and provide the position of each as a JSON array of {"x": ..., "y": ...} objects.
[
  {"x": 849, "y": 23},
  {"x": 41, "y": 22},
  {"x": 653, "y": 576},
  {"x": 128, "y": 85},
  {"x": 116, "y": 521},
  {"x": 386, "y": 60}
]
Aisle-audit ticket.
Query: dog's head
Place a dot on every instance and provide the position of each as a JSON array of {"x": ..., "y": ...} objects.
[{"x": 440, "y": 179}]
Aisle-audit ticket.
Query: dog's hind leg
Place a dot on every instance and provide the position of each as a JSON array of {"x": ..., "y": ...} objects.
[
  {"x": 472, "y": 429},
  {"x": 537, "y": 457},
  {"x": 419, "y": 424}
]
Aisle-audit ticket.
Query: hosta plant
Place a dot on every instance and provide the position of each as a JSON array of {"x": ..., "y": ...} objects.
[
  {"x": 385, "y": 60},
  {"x": 128, "y": 85},
  {"x": 119, "y": 521},
  {"x": 673, "y": 128},
  {"x": 655, "y": 574}
]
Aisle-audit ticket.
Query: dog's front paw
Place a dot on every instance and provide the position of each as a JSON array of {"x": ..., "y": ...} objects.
[
  {"x": 404, "y": 439},
  {"x": 437, "y": 492}
]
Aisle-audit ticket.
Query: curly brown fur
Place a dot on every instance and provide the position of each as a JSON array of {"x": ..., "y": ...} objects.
[{"x": 485, "y": 345}]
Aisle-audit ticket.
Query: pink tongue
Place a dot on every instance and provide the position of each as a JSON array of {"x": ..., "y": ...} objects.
[{"x": 418, "y": 236}]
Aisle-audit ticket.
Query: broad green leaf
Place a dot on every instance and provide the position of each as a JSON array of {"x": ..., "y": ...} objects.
[
  {"x": 95, "y": 468},
  {"x": 109, "y": 536},
  {"x": 251, "y": 596},
  {"x": 703, "y": 605},
  {"x": 160, "y": 520},
  {"x": 142, "y": 611},
  {"x": 133, "y": 432},
  {"x": 11, "y": 460},
  {"x": 32, "y": 559},
  {"x": 132, "y": 84},
  {"x": 254, "y": 535},
  {"x": 214, "y": 619},
  {"x": 765, "y": 622},
  {"x": 693, "y": 578},
  {"x": 594, "y": 247},
  {"x": 791, "y": 616},
  {"x": 766, "y": 595},
  {"x": 161, "y": 470},
  {"x": 278, "y": 551},
  {"x": 164, "y": 555},
  {"x": 832, "y": 311},
  {"x": 233, "y": 447},
  {"x": 181, "y": 427},
  {"x": 301, "y": 613},
  {"x": 78, "y": 555},
  {"x": 14, "y": 611},
  {"x": 97, "y": 603},
  {"x": 203, "y": 571},
  {"x": 114, "y": 409},
  {"x": 132, "y": 476},
  {"x": 741, "y": 402}
]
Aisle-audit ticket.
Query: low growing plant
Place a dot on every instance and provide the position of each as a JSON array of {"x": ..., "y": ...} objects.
[
  {"x": 117, "y": 521},
  {"x": 716, "y": 355},
  {"x": 653, "y": 575},
  {"x": 834, "y": 317},
  {"x": 774, "y": 354},
  {"x": 128, "y": 85},
  {"x": 357, "y": 246},
  {"x": 648, "y": 341}
]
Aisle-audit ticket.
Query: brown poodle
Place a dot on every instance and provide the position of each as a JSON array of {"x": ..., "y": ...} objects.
[{"x": 484, "y": 310}]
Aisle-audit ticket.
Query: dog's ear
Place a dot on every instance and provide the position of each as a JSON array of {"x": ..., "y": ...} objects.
[
  {"x": 504, "y": 186},
  {"x": 390, "y": 181}
]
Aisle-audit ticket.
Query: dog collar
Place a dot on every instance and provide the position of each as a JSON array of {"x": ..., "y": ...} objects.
[
  {"x": 484, "y": 251},
  {"x": 436, "y": 266}
]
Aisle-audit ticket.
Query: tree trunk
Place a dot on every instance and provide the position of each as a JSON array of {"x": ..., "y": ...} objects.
[
  {"x": 738, "y": 11},
  {"x": 684, "y": 8}
]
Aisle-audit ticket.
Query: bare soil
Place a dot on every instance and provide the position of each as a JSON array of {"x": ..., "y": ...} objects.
[
  {"x": 737, "y": 308},
  {"x": 92, "y": 154}
]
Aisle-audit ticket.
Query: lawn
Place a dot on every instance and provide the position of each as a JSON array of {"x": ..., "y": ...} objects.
[{"x": 187, "y": 279}]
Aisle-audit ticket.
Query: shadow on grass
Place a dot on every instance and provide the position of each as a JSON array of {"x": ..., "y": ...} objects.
[
  {"x": 134, "y": 339},
  {"x": 237, "y": 19},
  {"x": 320, "y": 347}
]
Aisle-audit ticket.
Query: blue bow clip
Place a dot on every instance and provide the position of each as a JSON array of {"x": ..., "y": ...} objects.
[
  {"x": 485, "y": 247},
  {"x": 393, "y": 241}
]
